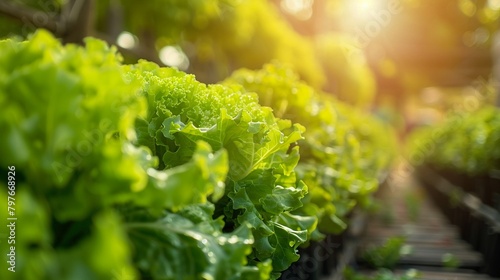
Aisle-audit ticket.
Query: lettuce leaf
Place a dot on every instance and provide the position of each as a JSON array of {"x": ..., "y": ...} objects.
[{"x": 190, "y": 245}]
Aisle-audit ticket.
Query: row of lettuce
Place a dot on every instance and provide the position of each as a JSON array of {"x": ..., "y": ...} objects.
[
  {"x": 142, "y": 172},
  {"x": 466, "y": 143},
  {"x": 464, "y": 150}
]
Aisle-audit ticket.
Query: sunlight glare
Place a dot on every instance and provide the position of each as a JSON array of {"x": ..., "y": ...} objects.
[
  {"x": 363, "y": 9},
  {"x": 301, "y": 9},
  {"x": 126, "y": 40},
  {"x": 366, "y": 5},
  {"x": 174, "y": 56},
  {"x": 494, "y": 4}
]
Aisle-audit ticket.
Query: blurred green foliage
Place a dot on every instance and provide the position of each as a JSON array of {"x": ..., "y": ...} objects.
[
  {"x": 381, "y": 274},
  {"x": 220, "y": 36},
  {"x": 467, "y": 142},
  {"x": 343, "y": 62},
  {"x": 58, "y": 133},
  {"x": 386, "y": 255},
  {"x": 450, "y": 261}
]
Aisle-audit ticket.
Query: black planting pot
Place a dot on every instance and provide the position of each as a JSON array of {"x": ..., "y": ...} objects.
[
  {"x": 493, "y": 257},
  {"x": 485, "y": 232},
  {"x": 493, "y": 184},
  {"x": 332, "y": 246},
  {"x": 478, "y": 188},
  {"x": 319, "y": 258},
  {"x": 460, "y": 179},
  {"x": 473, "y": 228},
  {"x": 462, "y": 221},
  {"x": 475, "y": 233},
  {"x": 447, "y": 207},
  {"x": 478, "y": 185},
  {"x": 483, "y": 186},
  {"x": 457, "y": 211},
  {"x": 306, "y": 268}
]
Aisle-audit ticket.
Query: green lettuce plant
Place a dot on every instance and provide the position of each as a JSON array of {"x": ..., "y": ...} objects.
[
  {"x": 261, "y": 185},
  {"x": 466, "y": 142},
  {"x": 344, "y": 150}
]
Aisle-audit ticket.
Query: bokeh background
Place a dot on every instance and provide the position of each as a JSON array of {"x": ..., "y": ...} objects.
[{"x": 408, "y": 61}]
